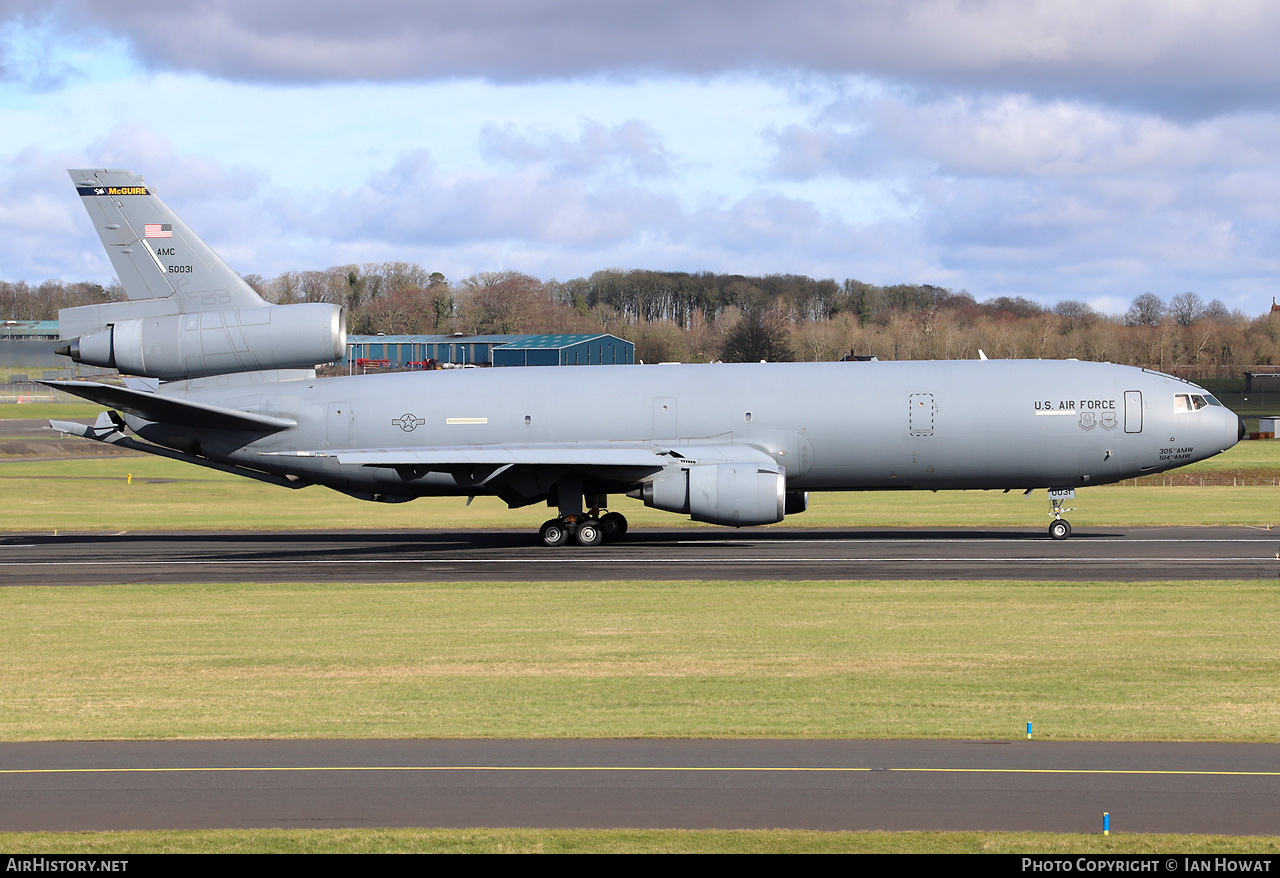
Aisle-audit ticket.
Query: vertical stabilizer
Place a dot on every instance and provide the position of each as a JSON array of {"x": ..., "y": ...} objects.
[
  {"x": 188, "y": 315},
  {"x": 155, "y": 254}
]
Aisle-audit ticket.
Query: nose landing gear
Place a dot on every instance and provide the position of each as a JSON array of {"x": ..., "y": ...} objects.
[{"x": 1060, "y": 528}]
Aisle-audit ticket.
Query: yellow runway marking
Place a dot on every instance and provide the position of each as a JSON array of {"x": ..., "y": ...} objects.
[{"x": 641, "y": 768}]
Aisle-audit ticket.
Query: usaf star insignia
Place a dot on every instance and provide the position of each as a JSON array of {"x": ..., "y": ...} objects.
[{"x": 408, "y": 422}]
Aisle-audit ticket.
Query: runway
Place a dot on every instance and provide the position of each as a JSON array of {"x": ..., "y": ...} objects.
[
  {"x": 1126, "y": 554},
  {"x": 822, "y": 785}
]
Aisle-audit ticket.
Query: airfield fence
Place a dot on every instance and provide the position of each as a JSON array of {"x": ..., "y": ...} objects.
[
  {"x": 1202, "y": 480},
  {"x": 18, "y": 392},
  {"x": 1198, "y": 372}
]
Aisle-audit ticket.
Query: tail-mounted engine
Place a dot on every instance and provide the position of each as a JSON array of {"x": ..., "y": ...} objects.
[{"x": 177, "y": 346}]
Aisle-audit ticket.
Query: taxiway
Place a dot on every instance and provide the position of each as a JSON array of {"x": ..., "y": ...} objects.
[{"x": 824, "y": 785}]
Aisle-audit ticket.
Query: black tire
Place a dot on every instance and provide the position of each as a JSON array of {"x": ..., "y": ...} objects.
[
  {"x": 554, "y": 533},
  {"x": 614, "y": 525},
  {"x": 1060, "y": 529},
  {"x": 590, "y": 533}
]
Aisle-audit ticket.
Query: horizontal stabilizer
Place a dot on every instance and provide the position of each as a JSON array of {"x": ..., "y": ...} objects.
[
  {"x": 104, "y": 430},
  {"x": 170, "y": 410}
]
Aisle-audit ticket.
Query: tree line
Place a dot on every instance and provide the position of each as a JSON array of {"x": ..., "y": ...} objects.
[{"x": 699, "y": 317}]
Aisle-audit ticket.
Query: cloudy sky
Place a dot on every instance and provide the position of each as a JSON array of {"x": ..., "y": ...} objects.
[{"x": 1093, "y": 149}]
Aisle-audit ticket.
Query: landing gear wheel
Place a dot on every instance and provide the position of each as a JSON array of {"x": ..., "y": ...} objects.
[
  {"x": 554, "y": 533},
  {"x": 590, "y": 533},
  {"x": 1059, "y": 528},
  {"x": 614, "y": 525}
]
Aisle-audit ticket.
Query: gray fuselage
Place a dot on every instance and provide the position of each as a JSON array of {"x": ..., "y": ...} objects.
[{"x": 830, "y": 426}]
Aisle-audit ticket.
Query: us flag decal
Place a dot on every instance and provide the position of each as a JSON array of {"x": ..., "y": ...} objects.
[{"x": 157, "y": 230}]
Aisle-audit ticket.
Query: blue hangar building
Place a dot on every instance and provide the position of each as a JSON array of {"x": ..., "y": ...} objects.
[{"x": 425, "y": 351}]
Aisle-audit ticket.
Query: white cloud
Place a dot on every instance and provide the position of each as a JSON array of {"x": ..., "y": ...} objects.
[
  {"x": 632, "y": 148},
  {"x": 1015, "y": 136},
  {"x": 413, "y": 203}
]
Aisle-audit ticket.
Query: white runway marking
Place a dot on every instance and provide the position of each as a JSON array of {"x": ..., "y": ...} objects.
[{"x": 587, "y": 559}]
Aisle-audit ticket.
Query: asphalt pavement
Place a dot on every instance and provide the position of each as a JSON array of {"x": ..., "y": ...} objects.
[{"x": 822, "y": 785}]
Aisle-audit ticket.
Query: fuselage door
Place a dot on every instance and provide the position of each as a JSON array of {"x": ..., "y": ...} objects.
[
  {"x": 1133, "y": 411},
  {"x": 337, "y": 428},
  {"x": 664, "y": 417},
  {"x": 920, "y": 416}
]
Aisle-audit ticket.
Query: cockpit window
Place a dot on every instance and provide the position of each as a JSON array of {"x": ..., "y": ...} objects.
[{"x": 1191, "y": 402}]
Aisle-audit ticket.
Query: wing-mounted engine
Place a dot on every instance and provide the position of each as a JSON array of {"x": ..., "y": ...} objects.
[
  {"x": 202, "y": 343},
  {"x": 735, "y": 494}
]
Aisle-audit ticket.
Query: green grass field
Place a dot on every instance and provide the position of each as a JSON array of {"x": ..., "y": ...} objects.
[
  {"x": 62, "y": 411},
  {"x": 1245, "y": 455},
  {"x": 1193, "y": 661}
]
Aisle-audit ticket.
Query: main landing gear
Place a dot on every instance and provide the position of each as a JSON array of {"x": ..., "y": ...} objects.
[
  {"x": 590, "y": 529},
  {"x": 580, "y": 518}
]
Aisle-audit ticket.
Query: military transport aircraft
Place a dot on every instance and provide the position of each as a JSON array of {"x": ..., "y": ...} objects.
[{"x": 222, "y": 379}]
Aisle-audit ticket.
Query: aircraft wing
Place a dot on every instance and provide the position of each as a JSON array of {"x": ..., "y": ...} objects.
[
  {"x": 450, "y": 457},
  {"x": 571, "y": 455},
  {"x": 171, "y": 410}
]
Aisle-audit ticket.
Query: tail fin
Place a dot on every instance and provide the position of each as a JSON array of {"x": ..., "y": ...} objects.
[
  {"x": 170, "y": 275},
  {"x": 155, "y": 254}
]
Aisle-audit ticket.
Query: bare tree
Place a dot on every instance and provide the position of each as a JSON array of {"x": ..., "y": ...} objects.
[
  {"x": 1074, "y": 310},
  {"x": 759, "y": 335},
  {"x": 1217, "y": 312},
  {"x": 502, "y": 303},
  {"x": 1186, "y": 308},
  {"x": 1146, "y": 310}
]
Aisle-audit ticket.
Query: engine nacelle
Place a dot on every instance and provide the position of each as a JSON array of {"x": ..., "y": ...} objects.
[
  {"x": 736, "y": 494},
  {"x": 202, "y": 343}
]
